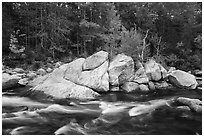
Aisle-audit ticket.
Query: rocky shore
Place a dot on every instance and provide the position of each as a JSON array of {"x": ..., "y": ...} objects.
[
  {"x": 88, "y": 78},
  {"x": 85, "y": 80}
]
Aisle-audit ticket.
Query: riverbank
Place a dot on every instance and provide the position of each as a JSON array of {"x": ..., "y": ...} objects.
[{"x": 101, "y": 96}]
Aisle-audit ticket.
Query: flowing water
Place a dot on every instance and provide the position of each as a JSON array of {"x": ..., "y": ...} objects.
[{"x": 113, "y": 113}]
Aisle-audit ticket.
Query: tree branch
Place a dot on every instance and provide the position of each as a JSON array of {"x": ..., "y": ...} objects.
[{"x": 144, "y": 45}]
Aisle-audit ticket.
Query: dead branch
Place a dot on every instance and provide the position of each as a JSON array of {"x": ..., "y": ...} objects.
[{"x": 144, "y": 45}]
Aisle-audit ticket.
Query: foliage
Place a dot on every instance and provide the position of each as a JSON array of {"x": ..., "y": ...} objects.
[
  {"x": 78, "y": 29},
  {"x": 131, "y": 44}
]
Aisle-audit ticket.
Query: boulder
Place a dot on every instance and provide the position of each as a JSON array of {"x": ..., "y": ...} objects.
[
  {"x": 198, "y": 73},
  {"x": 8, "y": 71},
  {"x": 66, "y": 89},
  {"x": 23, "y": 81},
  {"x": 96, "y": 79},
  {"x": 143, "y": 88},
  {"x": 74, "y": 70},
  {"x": 95, "y": 60},
  {"x": 183, "y": 108},
  {"x": 55, "y": 85},
  {"x": 41, "y": 72},
  {"x": 151, "y": 85},
  {"x": 154, "y": 71},
  {"x": 183, "y": 79},
  {"x": 19, "y": 70},
  {"x": 38, "y": 80},
  {"x": 130, "y": 86},
  {"x": 153, "y": 105},
  {"x": 114, "y": 88},
  {"x": 140, "y": 75},
  {"x": 49, "y": 70},
  {"x": 9, "y": 81},
  {"x": 199, "y": 83},
  {"x": 193, "y": 104},
  {"x": 161, "y": 85},
  {"x": 31, "y": 75},
  {"x": 58, "y": 64},
  {"x": 200, "y": 88},
  {"x": 14, "y": 73},
  {"x": 121, "y": 70},
  {"x": 22, "y": 75}
]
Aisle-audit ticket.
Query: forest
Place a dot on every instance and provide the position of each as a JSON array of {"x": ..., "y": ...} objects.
[{"x": 36, "y": 33}]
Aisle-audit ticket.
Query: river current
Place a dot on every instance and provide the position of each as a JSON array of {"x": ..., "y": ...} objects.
[{"x": 113, "y": 113}]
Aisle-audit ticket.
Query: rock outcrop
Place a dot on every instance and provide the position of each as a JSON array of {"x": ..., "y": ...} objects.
[
  {"x": 9, "y": 81},
  {"x": 96, "y": 79},
  {"x": 95, "y": 60},
  {"x": 55, "y": 85},
  {"x": 140, "y": 75},
  {"x": 154, "y": 71},
  {"x": 86, "y": 78},
  {"x": 183, "y": 79},
  {"x": 81, "y": 78},
  {"x": 121, "y": 70}
]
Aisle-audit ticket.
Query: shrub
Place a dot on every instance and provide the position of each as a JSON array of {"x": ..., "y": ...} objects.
[{"x": 131, "y": 44}]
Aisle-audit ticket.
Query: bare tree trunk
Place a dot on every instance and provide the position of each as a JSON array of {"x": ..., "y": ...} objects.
[
  {"x": 158, "y": 48},
  {"x": 41, "y": 29},
  {"x": 144, "y": 46},
  {"x": 53, "y": 53},
  {"x": 77, "y": 44}
]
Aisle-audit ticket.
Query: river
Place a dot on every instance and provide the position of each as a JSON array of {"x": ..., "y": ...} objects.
[{"x": 113, "y": 113}]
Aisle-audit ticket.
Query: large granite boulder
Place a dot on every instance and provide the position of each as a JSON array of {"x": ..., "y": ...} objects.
[
  {"x": 9, "y": 81},
  {"x": 183, "y": 79},
  {"x": 55, "y": 85},
  {"x": 154, "y": 71},
  {"x": 140, "y": 75},
  {"x": 130, "y": 86},
  {"x": 95, "y": 60},
  {"x": 96, "y": 79},
  {"x": 121, "y": 70},
  {"x": 193, "y": 104},
  {"x": 37, "y": 81}
]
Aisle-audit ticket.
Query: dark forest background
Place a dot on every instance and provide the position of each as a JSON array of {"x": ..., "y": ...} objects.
[{"x": 42, "y": 32}]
